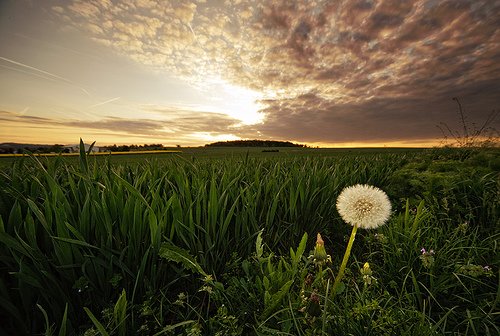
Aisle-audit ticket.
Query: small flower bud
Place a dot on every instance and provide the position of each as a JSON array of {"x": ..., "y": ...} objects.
[
  {"x": 366, "y": 269},
  {"x": 366, "y": 272},
  {"x": 319, "y": 254}
]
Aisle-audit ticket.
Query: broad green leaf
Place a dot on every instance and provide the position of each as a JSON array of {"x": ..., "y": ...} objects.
[
  {"x": 39, "y": 215},
  {"x": 90, "y": 148},
  {"x": 83, "y": 158},
  {"x": 259, "y": 247},
  {"x": 15, "y": 216},
  {"x": 174, "y": 253},
  {"x": 74, "y": 241},
  {"x": 340, "y": 288},
  {"x": 120, "y": 313},
  {"x": 276, "y": 299},
  {"x": 62, "y": 329},
  {"x": 133, "y": 190},
  {"x": 300, "y": 250},
  {"x": 96, "y": 322}
]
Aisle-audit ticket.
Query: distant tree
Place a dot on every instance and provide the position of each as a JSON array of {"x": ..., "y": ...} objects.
[
  {"x": 253, "y": 143},
  {"x": 55, "y": 148},
  {"x": 133, "y": 147}
]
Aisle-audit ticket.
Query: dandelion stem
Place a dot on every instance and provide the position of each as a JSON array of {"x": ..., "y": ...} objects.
[{"x": 344, "y": 261}]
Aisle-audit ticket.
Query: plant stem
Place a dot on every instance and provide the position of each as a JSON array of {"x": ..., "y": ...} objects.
[
  {"x": 344, "y": 261},
  {"x": 325, "y": 307}
]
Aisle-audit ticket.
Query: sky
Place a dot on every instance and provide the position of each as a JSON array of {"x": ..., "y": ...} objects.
[{"x": 335, "y": 73}]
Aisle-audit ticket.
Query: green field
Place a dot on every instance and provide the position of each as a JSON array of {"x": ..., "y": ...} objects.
[
  {"x": 216, "y": 241},
  {"x": 194, "y": 153}
]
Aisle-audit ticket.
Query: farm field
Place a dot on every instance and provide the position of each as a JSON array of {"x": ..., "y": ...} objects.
[
  {"x": 194, "y": 153},
  {"x": 219, "y": 241}
]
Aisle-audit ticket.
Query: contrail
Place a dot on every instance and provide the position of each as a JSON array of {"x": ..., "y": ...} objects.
[
  {"x": 36, "y": 69},
  {"x": 201, "y": 47},
  {"x": 196, "y": 39},
  {"x": 23, "y": 112},
  {"x": 104, "y": 102},
  {"x": 40, "y": 73},
  {"x": 86, "y": 92},
  {"x": 27, "y": 72}
]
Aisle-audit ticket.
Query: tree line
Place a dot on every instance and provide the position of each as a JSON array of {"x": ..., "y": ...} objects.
[
  {"x": 254, "y": 143},
  {"x": 131, "y": 148}
]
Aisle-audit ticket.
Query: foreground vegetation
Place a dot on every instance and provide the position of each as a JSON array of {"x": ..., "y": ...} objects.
[{"x": 180, "y": 246}]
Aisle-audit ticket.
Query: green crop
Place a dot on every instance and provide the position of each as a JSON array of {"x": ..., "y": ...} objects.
[{"x": 92, "y": 235}]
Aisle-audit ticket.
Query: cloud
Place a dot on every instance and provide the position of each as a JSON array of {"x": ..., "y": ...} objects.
[
  {"x": 172, "y": 121},
  {"x": 311, "y": 118},
  {"x": 187, "y": 121},
  {"x": 85, "y": 9},
  {"x": 328, "y": 70},
  {"x": 13, "y": 117}
]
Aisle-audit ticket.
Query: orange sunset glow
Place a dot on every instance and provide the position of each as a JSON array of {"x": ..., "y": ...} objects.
[{"x": 352, "y": 73}]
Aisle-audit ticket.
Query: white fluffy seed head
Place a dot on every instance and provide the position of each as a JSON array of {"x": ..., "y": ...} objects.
[{"x": 363, "y": 205}]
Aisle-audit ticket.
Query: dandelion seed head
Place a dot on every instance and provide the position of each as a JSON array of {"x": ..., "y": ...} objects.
[{"x": 363, "y": 205}]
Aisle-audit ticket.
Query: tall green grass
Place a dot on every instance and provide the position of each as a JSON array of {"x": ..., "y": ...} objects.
[{"x": 75, "y": 236}]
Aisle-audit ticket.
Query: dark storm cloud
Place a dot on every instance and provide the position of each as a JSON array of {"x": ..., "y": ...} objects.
[
  {"x": 377, "y": 119},
  {"x": 340, "y": 70}
]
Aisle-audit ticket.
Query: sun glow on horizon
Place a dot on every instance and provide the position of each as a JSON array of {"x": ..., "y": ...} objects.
[
  {"x": 421, "y": 143},
  {"x": 235, "y": 101},
  {"x": 206, "y": 136}
]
